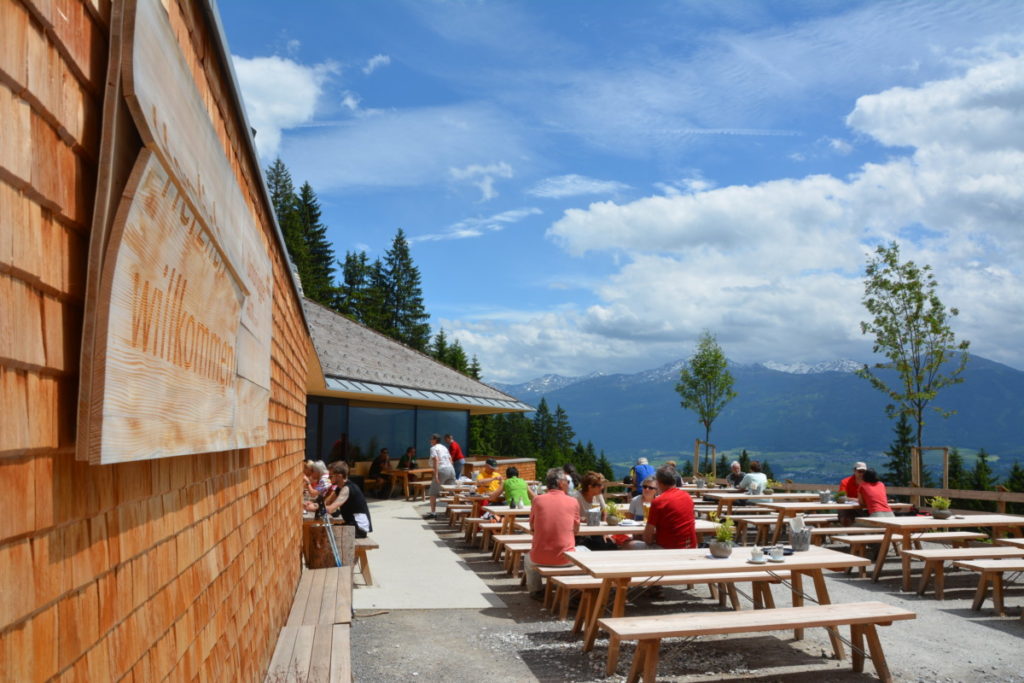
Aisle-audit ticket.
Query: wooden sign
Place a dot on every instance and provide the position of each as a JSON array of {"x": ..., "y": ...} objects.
[{"x": 177, "y": 354}]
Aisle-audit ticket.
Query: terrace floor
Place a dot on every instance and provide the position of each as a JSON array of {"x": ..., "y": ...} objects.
[{"x": 441, "y": 611}]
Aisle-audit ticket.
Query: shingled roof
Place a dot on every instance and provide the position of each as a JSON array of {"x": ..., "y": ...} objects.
[{"x": 358, "y": 362}]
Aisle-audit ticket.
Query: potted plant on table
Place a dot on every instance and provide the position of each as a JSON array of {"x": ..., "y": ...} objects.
[
  {"x": 611, "y": 513},
  {"x": 940, "y": 507},
  {"x": 724, "y": 534}
]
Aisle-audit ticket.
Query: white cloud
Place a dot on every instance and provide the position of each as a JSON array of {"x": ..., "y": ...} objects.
[
  {"x": 483, "y": 177},
  {"x": 775, "y": 268},
  {"x": 279, "y": 94},
  {"x": 375, "y": 63},
  {"x": 574, "y": 185},
  {"x": 350, "y": 100},
  {"x": 401, "y": 148},
  {"x": 475, "y": 227},
  {"x": 840, "y": 146}
]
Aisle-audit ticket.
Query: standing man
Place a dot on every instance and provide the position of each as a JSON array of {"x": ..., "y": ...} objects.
[
  {"x": 671, "y": 522},
  {"x": 444, "y": 473},
  {"x": 554, "y": 522},
  {"x": 640, "y": 472},
  {"x": 458, "y": 459}
]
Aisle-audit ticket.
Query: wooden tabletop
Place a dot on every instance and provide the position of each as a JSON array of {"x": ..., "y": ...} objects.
[
  {"x": 703, "y": 527},
  {"x": 726, "y": 494},
  {"x": 639, "y": 563},
  {"x": 822, "y": 507},
  {"x": 910, "y": 523}
]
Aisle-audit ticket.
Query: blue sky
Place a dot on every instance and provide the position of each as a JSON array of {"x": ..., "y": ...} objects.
[{"x": 588, "y": 185}]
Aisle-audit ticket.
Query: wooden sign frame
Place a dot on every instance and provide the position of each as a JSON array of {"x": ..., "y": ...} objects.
[
  {"x": 697, "y": 443},
  {"x": 177, "y": 335},
  {"x": 917, "y": 463}
]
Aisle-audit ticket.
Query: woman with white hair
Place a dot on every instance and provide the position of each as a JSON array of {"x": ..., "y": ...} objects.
[
  {"x": 318, "y": 481},
  {"x": 735, "y": 475}
]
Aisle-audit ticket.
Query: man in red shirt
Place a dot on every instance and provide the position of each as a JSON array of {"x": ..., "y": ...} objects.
[
  {"x": 458, "y": 459},
  {"x": 554, "y": 521},
  {"x": 671, "y": 522},
  {"x": 851, "y": 486}
]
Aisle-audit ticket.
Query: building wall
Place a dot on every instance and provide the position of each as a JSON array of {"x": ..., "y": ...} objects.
[{"x": 177, "y": 568}]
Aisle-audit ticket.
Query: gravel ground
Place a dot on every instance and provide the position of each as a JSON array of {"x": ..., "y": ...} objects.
[{"x": 521, "y": 642}]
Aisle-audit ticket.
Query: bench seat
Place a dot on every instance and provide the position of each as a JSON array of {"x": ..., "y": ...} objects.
[
  {"x": 935, "y": 559},
  {"x": 991, "y": 573},
  {"x": 364, "y": 545},
  {"x": 862, "y": 617},
  {"x": 858, "y": 544}
]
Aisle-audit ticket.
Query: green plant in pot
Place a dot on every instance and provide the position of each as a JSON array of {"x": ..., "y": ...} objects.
[
  {"x": 940, "y": 507},
  {"x": 611, "y": 513},
  {"x": 840, "y": 496},
  {"x": 724, "y": 534}
]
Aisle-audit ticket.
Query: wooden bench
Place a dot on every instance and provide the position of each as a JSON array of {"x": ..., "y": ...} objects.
[
  {"x": 764, "y": 525},
  {"x": 862, "y": 617},
  {"x": 418, "y": 489},
  {"x": 471, "y": 527},
  {"x": 819, "y": 534},
  {"x": 934, "y": 561},
  {"x": 549, "y": 585},
  {"x": 513, "y": 556},
  {"x": 499, "y": 541},
  {"x": 457, "y": 512},
  {"x": 720, "y": 585},
  {"x": 487, "y": 529},
  {"x": 314, "y": 643},
  {"x": 858, "y": 544},
  {"x": 991, "y": 574},
  {"x": 364, "y": 545}
]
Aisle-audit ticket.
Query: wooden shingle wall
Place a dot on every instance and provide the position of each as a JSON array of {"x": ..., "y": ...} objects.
[{"x": 181, "y": 568}]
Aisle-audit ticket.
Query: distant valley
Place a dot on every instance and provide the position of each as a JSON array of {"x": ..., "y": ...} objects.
[{"x": 811, "y": 422}]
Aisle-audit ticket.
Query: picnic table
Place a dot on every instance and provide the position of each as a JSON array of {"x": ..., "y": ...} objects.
[
  {"x": 792, "y": 509},
  {"x": 507, "y": 515},
  {"x": 404, "y": 475},
  {"x": 904, "y": 527},
  {"x": 617, "y": 569},
  {"x": 728, "y": 497},
  {"x": 704, "y": 528}
]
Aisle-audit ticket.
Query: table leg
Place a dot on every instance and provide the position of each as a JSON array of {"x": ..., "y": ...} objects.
[
  {"x": 857, "y": 645},
  {"x": 904, "y": 559},
  {"x": 883, "y": 550},
  {"x": 821, "y": 593},
  {"x": 796, "y": 581},
  {"x": 877, "y": 654},
  {"x": 621, "y": 593},
  {"x": 590, "y": 634},
  {"x": 979, "y": 595},
  {"x": 405, "y": 487},
  {"x": 778, "y": 526},
  {"x": 997, "y": 593}
]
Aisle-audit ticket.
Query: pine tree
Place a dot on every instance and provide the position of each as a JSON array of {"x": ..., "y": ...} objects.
[
  {"x": 563, "y": 431},
  {"x": 722, "y": 466},
  {"x": 1015, "y": 482},
  {"x": 982, "y": 479},
  {"x": 351, "y": 295},
  {"x": 958, "y": 477},
  {"x": 317, "y": 273},
  {"x": 766, "y": 469},
  {"x": 285, "y": 203},
  {"x": 405, "y": 314},
  {"x": 543, "y": 428},
  {"x": 457, "y": 357},
  {"x": 898, "y": 469},
  {"x": 439, "y": 348},
  {"x": 375, "y": 300},
  {"x": 603, "y": 466},
  {"x": 475, "y": 371},
  {"x": 744, "y": 461}
]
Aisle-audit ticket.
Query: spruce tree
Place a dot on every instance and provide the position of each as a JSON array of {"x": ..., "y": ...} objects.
[
  {"x": 982, "y": 479},
  {"x": 958, "y": 477},
  {"x": 439, "y": 348},
  {"x": 603, "y": 466},
  {"x": 457, "y": 357},
  {"x": 405, "y": 314},
  {"x": 744, "y": 461},
  {"x": 898, "y": 469},
  {"x": 475, "y": 371},
  {"x": 1015, "y": 483},
  {"x": 564, "y": 433},
  {"x": 318, "y": 272},
  {"x": 351, "y": 295},
  {"x": 285, "y": 203}
]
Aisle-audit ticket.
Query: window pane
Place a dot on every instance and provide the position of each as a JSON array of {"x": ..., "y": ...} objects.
[
  {"x": 334, "y": 431},
  {"x": 374, "y": 428},
  {"x": 454, "y": 422},
  {"x": 312, "y": 430}
]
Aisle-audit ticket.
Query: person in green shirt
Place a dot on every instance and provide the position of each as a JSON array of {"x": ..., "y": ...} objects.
[{"x": 514, "y": 490}]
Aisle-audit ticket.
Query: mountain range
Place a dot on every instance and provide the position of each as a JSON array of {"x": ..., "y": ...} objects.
[{"x": 810, "y": 421}]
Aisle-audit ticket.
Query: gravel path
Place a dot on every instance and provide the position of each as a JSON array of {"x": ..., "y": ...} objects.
[{"x": 521, "y": 642}]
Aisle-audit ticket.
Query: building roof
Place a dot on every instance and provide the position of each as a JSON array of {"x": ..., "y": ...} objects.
[{"x": 358, "y": 362}]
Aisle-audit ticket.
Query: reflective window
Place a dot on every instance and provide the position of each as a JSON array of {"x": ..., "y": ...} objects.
[
  {"x": 374, "y": 428},
  {"x": 454, "y": 422}
]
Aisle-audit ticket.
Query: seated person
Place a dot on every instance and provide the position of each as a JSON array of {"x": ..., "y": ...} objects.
[
  {"x": 380, "y": 466},
  {"x": 754, "y": 482},
  {"x": 590, "y": 496},
  {"x": 346, "y": 501},
  {"x": 872, "y": 496},
  {"x": 318, "y": 482},
  {"x": 408, "y": 461},
  {"x": 851, "y": 487},
  {"x": 487, "y": 479},
  {"x": 514, "y": 490},
  {"x": 648, "y": 491},
  {"x": 671, "y": 522},
  {"x": 554, "y": 521},
  {"x": 735, "y": 475}
]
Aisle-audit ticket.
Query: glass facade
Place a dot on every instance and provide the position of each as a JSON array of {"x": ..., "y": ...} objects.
[{"x": 334, "y": 427}]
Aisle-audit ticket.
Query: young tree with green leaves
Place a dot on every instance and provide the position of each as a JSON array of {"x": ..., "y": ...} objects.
[
  {"x": 705, "y": 383},
  {"x": 911, "y": 327}
]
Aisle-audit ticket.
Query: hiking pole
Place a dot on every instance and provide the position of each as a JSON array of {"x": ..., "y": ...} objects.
[{"x": 326, "y": 518}]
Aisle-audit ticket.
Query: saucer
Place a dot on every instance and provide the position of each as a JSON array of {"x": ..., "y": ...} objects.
[
  {"x": 781, "y": 559},
  {"x": 756, "y": 562}
]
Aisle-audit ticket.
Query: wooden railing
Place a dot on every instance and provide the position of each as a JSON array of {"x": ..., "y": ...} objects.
[{"x": 917, "y": 493}]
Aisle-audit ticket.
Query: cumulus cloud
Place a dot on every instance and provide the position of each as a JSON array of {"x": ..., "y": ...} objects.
[
  {"x": 376, "y": 62},
  {"x": 475, "y": 227},
  {"x": 574, "y": 185},
  {"x": 483, "y": 177},
  {"x": 775, "y": 268},
  {"x": 279, "y": 93}
]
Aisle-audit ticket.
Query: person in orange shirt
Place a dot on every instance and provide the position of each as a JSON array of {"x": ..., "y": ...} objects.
[
  {"x": 850, "y": 486},
  {"x": 872, "y": 496}
]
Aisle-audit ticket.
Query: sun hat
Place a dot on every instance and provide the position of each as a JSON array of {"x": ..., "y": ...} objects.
[{"x": 860, "y": 466}]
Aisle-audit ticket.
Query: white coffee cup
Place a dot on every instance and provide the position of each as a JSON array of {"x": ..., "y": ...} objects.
[
  {"x": 776, "y": 552},
  {"x": 757, "y": 555}
]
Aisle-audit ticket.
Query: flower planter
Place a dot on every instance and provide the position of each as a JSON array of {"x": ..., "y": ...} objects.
[
  {"x": 720, "y": 548},
  {"x": 942, "y": 514}
]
